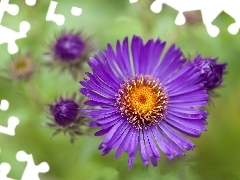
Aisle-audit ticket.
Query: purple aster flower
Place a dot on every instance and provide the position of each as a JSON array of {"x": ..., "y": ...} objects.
[
  {"x": 147, "y": 100},
  {"x": 71, "y": 50},
  {"x": 211, "y": 72},
  {"x": 66, "y": 116}
]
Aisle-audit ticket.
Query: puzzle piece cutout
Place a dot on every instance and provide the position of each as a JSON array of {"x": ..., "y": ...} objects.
[
  {"x": 12, "y": 121},
  {"x": 12, "y": 124},
  {"x": 59, "y": 19},
  {"x": 76, "y": 11},
  {"x": 30, "y": 2},
  {"x": 209, "y": 10},
  {"x": 4, "y": 105},
  {"x": 31, "y": 171},
  {"x": 133, "y": 1},
  {"x": 10, "y": 8},
  {"x": 4, "y": 170},
  {"x": 7, "y": 35}
]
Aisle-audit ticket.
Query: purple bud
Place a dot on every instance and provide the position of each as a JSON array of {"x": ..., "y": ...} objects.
[
  {"x": 69, "y": 47},
  {"x": 69, "y": 51},
  {"x": 64, "y": 112},
  {"x": 211, "y": 72}
]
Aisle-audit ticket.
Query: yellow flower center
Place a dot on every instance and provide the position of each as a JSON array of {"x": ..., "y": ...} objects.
[
  {"x": 21, "y": 67},
  {"x": 143, "y": 101},
  {"x": 142, "y": 98}
]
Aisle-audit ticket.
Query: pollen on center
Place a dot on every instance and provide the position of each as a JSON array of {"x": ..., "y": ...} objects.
[{"x": 143, "y": 100}]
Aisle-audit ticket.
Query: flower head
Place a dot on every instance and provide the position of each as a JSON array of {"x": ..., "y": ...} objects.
[
  {"x": 64, "y": 112},
  {"x": 70, "y": 50},
  {"x": 146, "y": 100},
  {"x": 21, "y": 67},
  {"x": 193, "y": 17},
  {"x": 68, "y": 47},
  {"x": 66, "y": 116},
  {"x": 211, "y": 72}
]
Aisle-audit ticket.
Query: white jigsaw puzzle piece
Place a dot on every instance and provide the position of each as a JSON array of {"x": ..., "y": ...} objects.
[
  {"x": 12, "y": 9},
  {"x": 76, "y": 11},
  {"x": 4, "y": 170},
  {"x": 59, "y": 19},
  {"x": 31, "y": 171},
  {"x": 7, "y": 35},
  {"x": 10, "y": 129},
  {"x": 209, "y": 10},
  {"x": 30, "y": 2},
  {"x": 4, "y": 105},
  {"x": 133, "y": 1},
  {"x": 12, "y": 121}
]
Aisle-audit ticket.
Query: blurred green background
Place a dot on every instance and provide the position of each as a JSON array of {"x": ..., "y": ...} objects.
[{"x": 217, "y": 152}]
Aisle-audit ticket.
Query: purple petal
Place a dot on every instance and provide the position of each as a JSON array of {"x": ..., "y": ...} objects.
[
  {"x": 181, "y": 141},
  {"x": 107, "y": 119},
  {"x": 110, "y": 124},
  {"x": 151, "y": 148},
  {"x": 143, "y": 151},
  {"x": 96, "y": 103},
  {"x": 116, "y": 140},
  {"x": 108, "y": 67},
  {"x": 102, "y": 132},
  {"x": 123, "y": 62},
  {"x": 96, "y": 97},
  {"x": 125, "y": 56},
  {"x": 100, "y": 70},
  {"x": 144, "y": 56},
  {"x": 132, "y": 148},
  {"x": 136, "y": 47},
  {"x": 124, "y": 145},
  {"x": 187, "y": 90},
  {"x": 111, "y": 56},
  {"x": 115, "y": 128},
  {"x": 184, "y": 129},
  {"x": 154, "y": 56},
  {"x": 184, "y": 112},
  {"x": 193, "y": 123},
  {"x": 190, "y": 104},
  {"x": 99, "y": 112},
  {"x": 98, "y": 89},
  {"x": 96, "y": 80},
  {"x": 166, "y": 145},
  {"x": 198, "y": 94}
]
